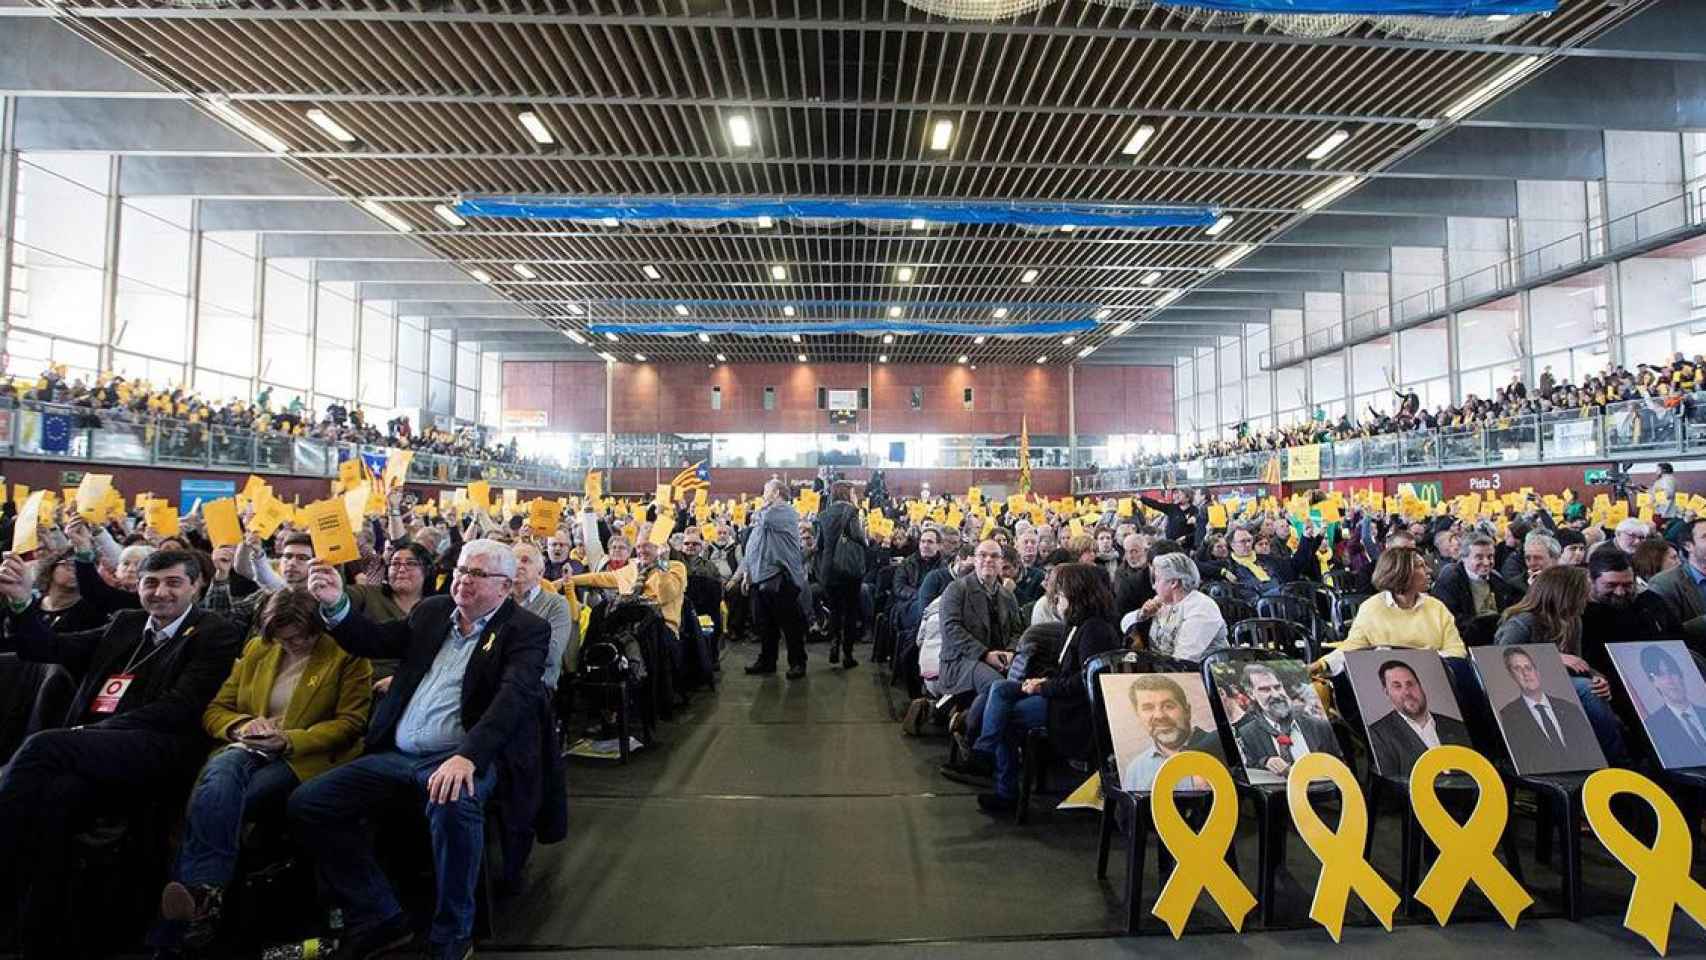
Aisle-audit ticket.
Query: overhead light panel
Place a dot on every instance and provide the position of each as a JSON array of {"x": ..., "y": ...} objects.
[
  {"x": 888, "y": 338},
  {"x": 883, "y": 358},
  {"x": 788, "y": 310},
  {"x": 1104, "y": 313},
  {"x": 722, "y": 359},
  {"x": 1498, "y": 17},
  {"x": 941, "y": 134},
  {"x": 681, "y": 309},
  {"x": 964, "y": 358},
  {"x": 1492, "y": 88},
  {"x": 535, "y": 127},
  {"x": 449, "y": 216},
  {"x": 740, "y": 130},
  {"x": 1331, "y": 192},
  {"x": 1069, "y": 341},
  {"x": 1333, "y": 142},
  {"x": 608, "y": 358},
  {"x": 574, "y": 308},
  {"x": 1086, "y": 352},
  {"x": 1234, "y": 255},
  {"x": 333, "y": 129},
  {"x": 765, "y": 223},
  {"x": 1219, "y": 226},
  {"x": 802, "y": 358},
  {"x": 611, "y": 222},
  {"x": 1149, "y": 279},
  {"x": 1168, "y": 299},
  {"x": 651, "y": 272},
  {"x": 575, "y": 337},
  {"x": 704, "y": 338},
  {"x": 979, "y": 341},
  {"x": 1000, "y": 313},
  {"x": 1067, "y": 228},
  {"x": 918, "y": 223},
  {"x": 525, "y": 272},
  {"x": 778, "y": 272},
  {"x": 796, "y": 338},
  {"x": 222, "y": 108},
  {"x": 610, "y": 336},
  {"x": 1120, "y": 330},
  {"x": 1029, "y": 276},
  {"x": 1043, "y": 358},
  {"x": 480, "y": 275},
  {"x": 640, "y": 357},
  {"x": 894, "y": 312},
  {"x": 384, "y": 213},
  {"x": 903, "y": 274},
  {"x": 1139, "y": 139}
]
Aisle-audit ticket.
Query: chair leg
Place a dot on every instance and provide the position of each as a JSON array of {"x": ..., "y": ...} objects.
[
  {"x": 622, "y": 722},
  {"x": 1570, "y": 838},
  {"x": 1543, "y": 826},
  {"x": 1271, "y": 856},
  {"x": 1107, "y": 839},
  {"x": 1137, "y": 843},
  {"x": 1408, "y": 866}
]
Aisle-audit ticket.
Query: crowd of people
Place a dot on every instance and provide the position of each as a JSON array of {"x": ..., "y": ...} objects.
[
  {"x": 437, "y": 669},
  {"x": 137, "y": 401},
  {"x": 1661, "y": 389}
]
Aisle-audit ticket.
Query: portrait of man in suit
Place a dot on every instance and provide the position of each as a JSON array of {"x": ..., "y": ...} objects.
[
  {"x": 1164, "y": 715},
  {"x": 1677, "y": 726},
  {"x": 1401, "y": 736},
  {"x": 1276, "y": 731},
  {"x": 1545, "y": 733}
]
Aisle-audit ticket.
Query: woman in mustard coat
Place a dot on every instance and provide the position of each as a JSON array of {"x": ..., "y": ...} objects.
[{"x": 294, "y": 706}]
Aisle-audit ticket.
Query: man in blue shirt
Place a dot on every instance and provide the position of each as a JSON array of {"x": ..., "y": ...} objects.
[{"x": 468, "y": 685}]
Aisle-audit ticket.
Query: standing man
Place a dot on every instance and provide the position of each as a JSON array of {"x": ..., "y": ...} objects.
[
  {"x": 467, "y": 691},
  {"x": 838, "y": 523},
  {"x": 774, "y": 573}
]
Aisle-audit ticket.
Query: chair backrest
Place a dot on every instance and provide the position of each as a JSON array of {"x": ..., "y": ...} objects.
[
  {"x": 1221, "y": 588},
  {"x": 1478, "y": 712},
  {"x": 1346, "y": 581},
  {"x": 1268, "y": 633},
  {"x": 1233, "y": 610},
  {"x": 1228, "y": 738},
  {"x": 1118, "y": 661},
  {"x": 1286, "y": 606},
  {"x": 1345, "y": 610},
  {"x": 1297, "y": 588},
  {"x": 1480, "y": 631}
]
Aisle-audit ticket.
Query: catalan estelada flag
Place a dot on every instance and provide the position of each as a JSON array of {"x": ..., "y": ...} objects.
[{"x": 695, "y": 477}]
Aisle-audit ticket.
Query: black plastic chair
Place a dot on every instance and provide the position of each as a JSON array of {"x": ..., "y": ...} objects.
[
  {"x": 1272, "y": 634},
  {"x": 1294, "y": 608},
  {"x": 1344, "y": 581},
  {"x": 1234, "y": 610},
  {"x": 1479, "y": 632},
  {"x": 1344, "y": 611},
  {"x": 1230, "y": 590}
]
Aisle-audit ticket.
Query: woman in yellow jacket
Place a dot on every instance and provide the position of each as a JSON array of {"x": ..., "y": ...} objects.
[{"x": 294, "y": 706}]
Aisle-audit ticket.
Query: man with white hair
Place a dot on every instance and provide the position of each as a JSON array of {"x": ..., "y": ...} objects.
[
  {"x": 548, "y": 605},
  {"x": 468, "y": 690},
  {"x": 1630, "y": 532},
  {"x": 773, "y": 573}
]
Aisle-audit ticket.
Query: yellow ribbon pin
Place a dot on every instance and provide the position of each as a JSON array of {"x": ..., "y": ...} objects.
[
  {"x": 1662, "y": 882},
  {"x": 489, "y": 638},
  {"x": 1201, "y": 857},
  {"x": 1343, "y": 868},
  {"x": 1466, "y": 849}
]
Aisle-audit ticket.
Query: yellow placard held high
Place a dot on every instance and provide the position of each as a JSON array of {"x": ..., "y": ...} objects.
[
  {"x": 92, "y": 496},
  {"x": 334, "y": 536},
  {"x": 355, "y": 504},
  {"x": 480, "y": 495},
  {"x": 25, "y": 530},
  {"x": 162, "y": 518},
  {"x": 220, "y": 516},
  {"x": 542, "y": 517},
  {"x": 1216, "y": 517},
  {"x": 594, "y": 484},
  {"x": 662, "y": 527},
  {"x": 270, "y": 514}
]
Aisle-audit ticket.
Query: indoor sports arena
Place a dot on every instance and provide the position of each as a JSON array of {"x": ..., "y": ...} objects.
[{"x": 853, "y": 479}]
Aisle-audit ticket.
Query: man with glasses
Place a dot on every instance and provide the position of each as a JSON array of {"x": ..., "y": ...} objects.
[
  {"x": 980, "y": 621},
  {"x": 467, "y": 691},
  {"x": 295, "y": 555}
]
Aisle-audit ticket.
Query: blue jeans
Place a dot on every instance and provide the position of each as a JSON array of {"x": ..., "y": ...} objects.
[
  {"x": 326, "y": 815},
  {"x": 232, "y": 783},
  {"x": 1008, "y": 714},
  {"x": 1606, "y": 727}
]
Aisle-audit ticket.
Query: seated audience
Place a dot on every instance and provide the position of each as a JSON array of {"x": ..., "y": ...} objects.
[
  {"x": 295, "y": 553},
  {"x": 1403, "y": 613},
  {"x": 548, "y": 605},
  {"x": 1184, "y": 623},
  {"x": 1652, "y": 557},
  {"x": 62, "y": 604},
  {"x": 1551, "y": 612},
  {"x": 980, "y": 621},
  {"x": 1683, "y": 587},
  {"x": 1469, "y": 587}
]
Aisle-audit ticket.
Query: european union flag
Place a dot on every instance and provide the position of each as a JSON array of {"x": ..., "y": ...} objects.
[{"x": 55, "y": 433}]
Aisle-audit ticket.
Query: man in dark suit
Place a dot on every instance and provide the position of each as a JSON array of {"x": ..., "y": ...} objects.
[
  {"x": 467, "y": 688},
  {"x": 1276, "y": 735},
  {"x": 1683, "y": 587},
  {"x": 134, "y": 732},
  {"x": 1678, "y": 727},
  {"x": 1470, "y": 588},
  {"x": 1545, "y": 734},
  {"x": 1402, "y": 736}
]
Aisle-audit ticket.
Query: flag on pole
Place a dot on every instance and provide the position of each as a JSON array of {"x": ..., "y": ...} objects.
[
  {"x": 695, "y": 477},
  {"x": 1024, "y": 455}
]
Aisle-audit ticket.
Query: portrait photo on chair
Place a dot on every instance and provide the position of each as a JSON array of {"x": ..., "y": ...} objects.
[
  {"x": 1407, "y": 705},
  {"x": 1274, "y": 715},
  {"x": 1669, "y": 696},
  {"x": 1538, "y": 712},
  {"x": 1151, "y": 717}
]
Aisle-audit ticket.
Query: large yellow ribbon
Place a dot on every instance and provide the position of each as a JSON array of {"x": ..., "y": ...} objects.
[
  {"x": 1662, "y": 882},
  {"x": 1465, "y": 849},
  {"x": 1343, "y": 868},
  {"x": 1201, "y": 857}
]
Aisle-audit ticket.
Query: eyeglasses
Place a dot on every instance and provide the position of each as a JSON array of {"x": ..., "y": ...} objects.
[
  {"x": 405, "y": 565},
  {"x": 478, "y": 575}
]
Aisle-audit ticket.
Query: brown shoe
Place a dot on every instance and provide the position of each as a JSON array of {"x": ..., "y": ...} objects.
[{"x": 917, "y": 714}]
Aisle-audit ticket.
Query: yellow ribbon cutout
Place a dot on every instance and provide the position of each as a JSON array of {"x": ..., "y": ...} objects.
[
  {"x": 1343, "y": 868},
  {"x": 1662, "y": 882},
  {"x": 1201, "y": 857},
  {"x": 1465, "y": 849}
]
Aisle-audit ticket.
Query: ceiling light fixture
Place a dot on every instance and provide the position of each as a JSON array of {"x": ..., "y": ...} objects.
[
  {"x": 884, "y": 358},
  {"x": 575, "y": 337},
  {"x": 1067, "y": 228},
  {"x": 796, "y": 338},
  {"x": 740, "y": 130},
  {"x": 333, "y": 129},
  {"x": 222, "y": 108},
  {"x": 722, "y": 359},
  {"x": 1331, "y": 192},
  {"x": 941, "y": 134},
  {"x": 1043, "y": 358},
  {"x": 1124, "y": 325},
  {"x": 449, "y": 216},
  {"x": 681, "y": 309},
  {"x": 1029, "y": 276},
  {"x": 1492, "y": 88},
  {"x": 1149, "y": 279},
  {"x": 1069, "y": 341},
  {"x": 1000, "y": 313},
  {"x": 536, "y": 128},
  {"x": 888, "y": 338},
  {"x": 610, "y": 336},
  {"x": 1139, "y": 139},
  {"x": 964, "y": 358},
  {"x": 651, "y": 272},
  {"x": 524, "y": 271},
  {"x": 1234, "y": 255},
  {"x": 979, "y": 341},
  {"x": 789, "y": 310},
  {"x": 480, "y": 275},
  {"x": 1104, "y": 313},
  {"x": 778, "y": 272},
  {"x": 918, "y": 223},
  {"x": 384, "y": 213},
  {"x": 1086, "y": 352},
  {"x": 640, "y": 357},
  {"x": 574, "y": 308},
  {"x": 1219, "y": 226},
  {"x": 1169, "y": 298},
  {"x": 608, "y": 358},
  {"x": 765, "y": 223},
  {"x": 704, "y": 338},
  {"x": 611, "y": 222},
  {"x": 903, "y": 274},
  {"x": 894, "y": 313},
  {"x": 802, "y": 358},
  {"x": 1333, "y": 142}
]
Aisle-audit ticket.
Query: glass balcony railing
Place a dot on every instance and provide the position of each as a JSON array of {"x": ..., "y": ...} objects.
[
  {"x": 163, "y": 442},
  {"x": 1634, "y": 428}
]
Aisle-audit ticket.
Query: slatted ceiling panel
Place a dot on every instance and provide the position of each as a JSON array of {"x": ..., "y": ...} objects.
[{"x": 841, "y": 94}]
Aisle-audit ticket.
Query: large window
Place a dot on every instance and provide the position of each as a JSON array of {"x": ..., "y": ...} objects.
[
  {"x": 151, "y": 323},
  {"x": 58, "y": 263},
  {"x": 285, "y": 323},
  {"x": 225, "y": 326},
  {"x": 334, "y": 344},
  {"x": 378, "y": 354}
]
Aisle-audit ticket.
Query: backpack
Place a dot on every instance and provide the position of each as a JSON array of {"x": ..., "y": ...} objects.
[{"x": 848, "y": 561}]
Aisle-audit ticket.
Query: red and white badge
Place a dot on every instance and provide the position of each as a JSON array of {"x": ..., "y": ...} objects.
[{"x": 112, "y": 691}]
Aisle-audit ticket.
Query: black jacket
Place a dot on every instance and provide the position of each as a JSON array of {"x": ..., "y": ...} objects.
[
  {"x": 1452, "y": 589},
  {"x": 837, "y": 520},
  {"x": 168, "y": 697},
  {"x": 1068, "y": 699},
  {"x": 1179, "y": 519},
  {"x": 1256, "y": 738},
  {"x": 500, "y": 691},
  {"x": 1397, "y": 748},
  {"x": 1132, "y": 589},
  {"x": 911, "y": 576}
]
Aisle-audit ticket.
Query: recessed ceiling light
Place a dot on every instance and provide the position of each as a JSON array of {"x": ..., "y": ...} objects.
[
  {"x": 1331, "y": 192},
  {"x": 941, "y": 134},
  {"x": 480, "y": 275},
  {"x": 1492, "y": 88},
  {"x": 979, "y": 341},
  {"x": 1120, "y": 330},
  {"x": 704, "y": 338},
  {"x": 1169, "y": 298},
  {"x": 884, "y": 358},
  {"x": 1149, "y": 279},
  {"x": 1000, "y": 313},
  {"x": 524, "y": 271},
  {"x": 651, "y": 272},
  {"x": 608, "y": 358},
  {"x": 535, "y": 127},
  {"x": 333, "y": 129},
  {"x": 1104, "y": 313},
  {"x": 221, "y": 107},
  {"x": 1139, "y": 139},
  {"x": 918, "y": 223},
  {"x": 788, "y": 311},
  {"x": 574, "y": 308},
  {"x": 1333, "y": 142},
  {"x": 740, "y": 130},
  {"x": 1219, "y": 226},
  {"x": 778, "y": 272},
  {"x": 610, "y": 336},
  {"x": 888, "y": 338},
  {"x": 1029, "y": 276},
  {"x": 681, "y": 309},
  {"x": 449, "y": 216},
  {"x": 1043, "y": 358},
  {"x": 640, "y": 357},
  {"x": 1498, "y": 17},
  {"x": 765, "y": 223},
  {"x": 1234, "y": 255},
  {"x": 611, "y": 222},
  {"x": 1069, "y": 341},
  {"x": 575, "y": 337},
  {"x": 384, "y": 213},
  {"x": 1067, "y": 228},
  {"x": 903, "y": 274},
  {"x": 1086, "y": 352},
  {"x": 964, "y": 358},
  {"x": 795, "y": 338},
  {"x": 722, "y": 359},
  {"x": 802, "y": 358},
  {"x": 894, "y": 312}
]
